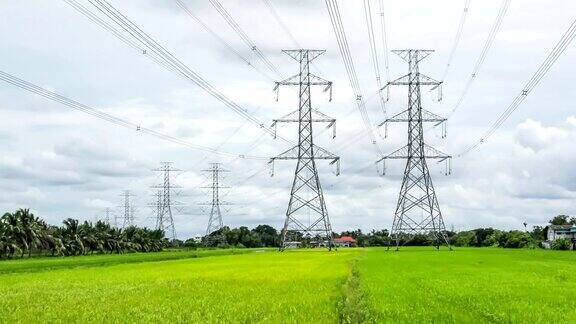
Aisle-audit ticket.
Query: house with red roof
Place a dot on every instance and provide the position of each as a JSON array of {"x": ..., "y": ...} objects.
[{"x": 345, "y": 241}]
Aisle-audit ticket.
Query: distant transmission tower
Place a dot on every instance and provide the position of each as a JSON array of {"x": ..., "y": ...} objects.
[
  {"x": 164, "y": 202},
  {"x": 306, "y": 216},
  {"x": 215, "y": 221},
  {"x": 418, "y": 211},
  {"x": 129, "y": 210},
  {"x": 107, "y": 217}
]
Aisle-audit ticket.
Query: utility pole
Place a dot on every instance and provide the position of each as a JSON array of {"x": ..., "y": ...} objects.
[
  {"x": 129, "y": 209},
  {"x": 164, "y": 202},
  {"x": 215, "y": 222},
  {"x": 306, "y": 216},
  {"x": 107, "y": 217},
  {"x": 417, "y": 211}
]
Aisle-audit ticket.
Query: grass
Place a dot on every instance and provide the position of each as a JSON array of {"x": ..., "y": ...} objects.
[
  {"x": 470, "y": 285},
  {"x": 53, "y": 263},
  {"x": 269, "y": 286},
  {"x": 308, "y": 286}
]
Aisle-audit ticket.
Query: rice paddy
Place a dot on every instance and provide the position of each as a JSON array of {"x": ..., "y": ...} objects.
[{"x": 350, "y": 285}]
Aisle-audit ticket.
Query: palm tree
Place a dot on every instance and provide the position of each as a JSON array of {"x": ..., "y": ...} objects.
[
  {"x": 29, "y": 230},
  {"x": 21, "y": 232},
  {"x": 72, "y": 242}
]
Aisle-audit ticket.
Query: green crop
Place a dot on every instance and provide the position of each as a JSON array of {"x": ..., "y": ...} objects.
[
  {"x": 469, "y": 285},
  {"x": 303, "y": 286}
]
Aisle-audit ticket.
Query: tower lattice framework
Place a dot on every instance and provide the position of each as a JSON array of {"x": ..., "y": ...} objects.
[
  {"x": 417, "y": 211},
  {"x": 164, "y": 200},
  {"x": 215, "y": 221},
  {"x": 129, "y": 210},
  {"x": 306, "y": 216}
]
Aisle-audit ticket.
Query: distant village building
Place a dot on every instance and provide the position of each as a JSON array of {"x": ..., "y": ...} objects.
[
  {"x": 560, "y": 231},
  {"x": 345, "y": 241}
]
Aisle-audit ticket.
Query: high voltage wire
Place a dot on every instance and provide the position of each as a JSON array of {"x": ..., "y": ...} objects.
[
  {"x": 482, "y": 57},
  {"x": 556, "y": 52},
  {"x": 340, "y": 33},
  {"x": 286, "y": 30},
  {"x": 456, "y": 38},
  {"x": 220, "y": 39},
  {"x": 374, "y": 52},
  {"x": 234, "y": 25},
  {"x": 118, "y": 34},
  {"x": 281, "y": 23},
  {"x": 25, "y": 85},
  {"x": 228, "y": 46},
  {"x": 158, "y": 53},
  {"x": 384, "y": 39}
]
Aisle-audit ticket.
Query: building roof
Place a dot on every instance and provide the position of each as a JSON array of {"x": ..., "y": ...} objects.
[
  {"x": 563, "y": 229},
  {"x": 561, "y": 226},
  {"x": 345, "y": 239}
]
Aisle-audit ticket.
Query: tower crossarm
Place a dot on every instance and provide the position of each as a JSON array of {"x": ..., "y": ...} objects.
[
  {"x": 404, "y": 117},
  {"x": 429, "y": 153},
  {"x": 221, "y": 203},
  {"x": 319, "y": 154},
  {"x": 408, "y": 79},
  {"x": 292, "y": 154},
  {"x": 295, "y": 80},
  {"x": 405, "y": 54},
  {"x": 317, "y": 117}
]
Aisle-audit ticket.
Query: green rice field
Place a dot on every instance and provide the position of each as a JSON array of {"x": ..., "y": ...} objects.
[{"x": 301, "y": 286}]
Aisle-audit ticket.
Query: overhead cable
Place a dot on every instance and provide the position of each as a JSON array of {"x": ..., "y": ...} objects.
[{"x": 552, "y": 57}]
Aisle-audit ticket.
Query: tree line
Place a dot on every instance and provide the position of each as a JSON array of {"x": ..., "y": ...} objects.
[{"x": 22, "y": 233}]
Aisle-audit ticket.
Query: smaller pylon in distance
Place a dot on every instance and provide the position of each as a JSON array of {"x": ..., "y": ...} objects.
[{"x": 215, "y": 221}]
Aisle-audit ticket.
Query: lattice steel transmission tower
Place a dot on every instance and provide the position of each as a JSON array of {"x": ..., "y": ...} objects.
[
  {"x": 417, "y": 211},
  {"x": 107, "y": 217},
  {"x": 215, "y": 220},
  {"x": 306, "y": 216},
  {"x": 164, "y": 200},
  {"x": 129, "y": 210}
]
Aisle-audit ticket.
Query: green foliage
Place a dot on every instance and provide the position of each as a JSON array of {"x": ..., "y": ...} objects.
[
  {"x": 272, "y": 287},
  {"x": 414, "y": 285},
  {"x": 374, "y": 238},
  {"x": 261, "y": 236},
  {"x": 562, "y": 244},
  {"x": 482, "y": 237},
  {"x": 23, "y": 233},
  {"x": 468, "y": 285},
  {"x": 560, "y": 220}
]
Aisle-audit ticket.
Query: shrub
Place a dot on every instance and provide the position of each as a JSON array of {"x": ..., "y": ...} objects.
[{"x": 562, "y": 244}]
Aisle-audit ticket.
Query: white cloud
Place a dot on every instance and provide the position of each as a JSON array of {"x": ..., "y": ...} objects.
[{"x": 66, "y": 164}]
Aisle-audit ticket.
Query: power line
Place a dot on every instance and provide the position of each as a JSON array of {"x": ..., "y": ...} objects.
[
  {"x": 107, "y": 117},
  {"x": 456, "y": 38},
  {"x": 487, "y": 45},
  {"x": 157, "y": 52},
  {"x": 220, "y": 39},
  {"x": 247, "y": 41},
  {"x": 552, "y": 57},
  {"x": 384, "y": 41},
  {"x": 374, "y": 53},
  {"x": 340, "y": 33},
  {"x": 281, "y": 23},
  {"x": 286, "y": 30}
]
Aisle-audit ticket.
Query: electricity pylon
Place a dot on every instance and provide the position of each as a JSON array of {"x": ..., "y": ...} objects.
[
  {"x": 164, "y": 202},
  {"x": 107, "y": 217},
  {"x": 129, "y": 210},
  {"x": 306, "y": 216},
  {"x": 417, "y": 211},
  {"x": 215, "y": 222}
]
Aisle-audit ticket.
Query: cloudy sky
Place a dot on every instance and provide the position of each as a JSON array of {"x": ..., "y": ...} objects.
[{"x": 62, "y": 163}]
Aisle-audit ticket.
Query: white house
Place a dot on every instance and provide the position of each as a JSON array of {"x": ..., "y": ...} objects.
[{"x": 560, "y": 231}]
